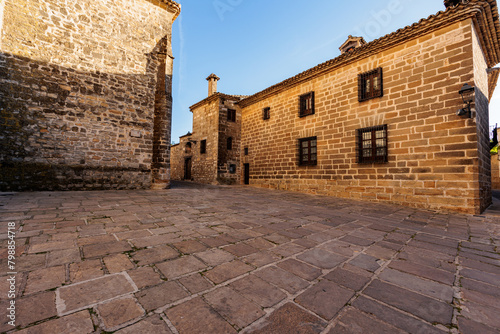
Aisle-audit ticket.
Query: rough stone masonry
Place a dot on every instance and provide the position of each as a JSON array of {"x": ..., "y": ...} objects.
[{"x": 85, "y": 94}]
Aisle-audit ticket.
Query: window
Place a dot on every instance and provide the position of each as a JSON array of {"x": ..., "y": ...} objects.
[
  {"x": 246, "y": 150},
  {"x": 187, "y": 149},
  {"x": 308, "y": 151},
  {"x": 203, "y": 146},
  {"x": 232, "y": 169},
  {"x": 372, "y": 144},
  {"x": 306, "y": 104},
  {"x": 370, "y": 85},
  {"x": 231, "y": 115},
  {"x": 266, "y": 113},
  {"x": 230, "y": 143}
]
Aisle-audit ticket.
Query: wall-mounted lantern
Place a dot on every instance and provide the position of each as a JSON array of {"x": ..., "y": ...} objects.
[{"x": 467, "y": 93}]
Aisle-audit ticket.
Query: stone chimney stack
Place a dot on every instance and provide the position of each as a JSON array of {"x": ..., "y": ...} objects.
[{"x": 212, "y": 84}]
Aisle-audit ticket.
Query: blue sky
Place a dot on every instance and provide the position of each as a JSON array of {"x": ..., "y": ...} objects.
[{"x": 253, "y": 44}]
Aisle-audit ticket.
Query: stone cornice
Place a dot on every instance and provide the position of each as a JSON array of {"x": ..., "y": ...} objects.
[
  {"x": 493, "y": 74},
  {"x": 169, "y": 5},
  {"x": 484, "y": 14}
]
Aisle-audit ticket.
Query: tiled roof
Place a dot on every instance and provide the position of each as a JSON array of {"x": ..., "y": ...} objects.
[{"x": 484, "y": 13}]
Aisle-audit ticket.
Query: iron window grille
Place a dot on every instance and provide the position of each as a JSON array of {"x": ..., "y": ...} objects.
[
  {"x": 370, "y": 85},
  {"x": 306, "y": 104},
  {"x": 266, "y": 113},
  {"x": 203, "y": 146},
  {"x": 372, "y": 144},
  {"x": 308, "y": 151},
  {"x": 231, "y": 115}
]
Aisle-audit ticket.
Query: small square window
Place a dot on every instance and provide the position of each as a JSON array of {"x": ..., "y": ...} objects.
[
  {"x": 370, "y": 85},
  {"x": 246, "y": 150},
  {"x": 306, "y": 104},
  {"x": 232, "y": 169},
  {"x": 230, "y": 143},
  {"x": 308, "y": 151},
  {"x": 203, "y": 146},
  {"x": 372, "y": 144},
  {"x": 231, "y": 115},
  {"x": 266, "y": 113}
]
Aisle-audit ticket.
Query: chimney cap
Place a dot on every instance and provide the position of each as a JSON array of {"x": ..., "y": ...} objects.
[
  {"x": 213, "y": 76},
  {"x": 351, "y": 43},
  {"x": 451, "y": 3}
]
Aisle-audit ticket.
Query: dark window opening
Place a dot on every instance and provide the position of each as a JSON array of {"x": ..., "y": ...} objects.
[
  {"x": 370, "y": 85},
  {"x": 308, "y": 151},
  {"x": 230, "y": 143},
  {"x": 372, "y": 144},
  {"x": 231, "y": 115},
  {"x": 266, "y": 113},
  {"x": 232, "y": 169},
  {"x": 187, "y": 149},
  {"x": 246, "y": 175},
  {"x": 306, "y": 104},
  {"x": 246, "y": 150},
  {"x": 203, "y": 146}
]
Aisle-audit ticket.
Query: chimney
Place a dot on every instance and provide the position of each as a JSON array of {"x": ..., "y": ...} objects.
[
  {"x": 212, "y": 84},
  {"x": 451, "y": 3},
  {"x": 351, "y": 44}
]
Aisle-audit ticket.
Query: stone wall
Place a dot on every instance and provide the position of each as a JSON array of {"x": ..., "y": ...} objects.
[
  {"x": 495, "y": 172},
  {"x": 228, "y": 158},
  {"x": 210, "y": 123},
  {"x": 433, "y": 153},
  {"x": 205, "y": 127},
  {"x": 482, "y": 119},
  {"x": 85, "y": 99}
]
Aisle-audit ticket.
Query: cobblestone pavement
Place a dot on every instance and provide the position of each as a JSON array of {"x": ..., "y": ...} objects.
[{"x": 203, "y": 259}]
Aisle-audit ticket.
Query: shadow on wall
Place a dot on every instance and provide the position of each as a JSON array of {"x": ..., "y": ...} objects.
[{"x": 61, "y": 129}]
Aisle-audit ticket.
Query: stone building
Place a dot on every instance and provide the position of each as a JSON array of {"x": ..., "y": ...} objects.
[
  {"x": 211, "y": 154},
  {"x": 380, "y": 123},
  {"x": 495, "y": 172},
  {"x": 85, "y": 94}
]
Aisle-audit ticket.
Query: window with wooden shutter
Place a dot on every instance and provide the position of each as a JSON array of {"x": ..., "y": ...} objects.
[
  {"x": 231, "y": 115},
  {"x": 266, "y": 113},
  {"x": 372, "y": 144},
  {"x": 308, "y": 151},
  {"x": 306, "y": 104},
  {"x": 370, "y": 85}
]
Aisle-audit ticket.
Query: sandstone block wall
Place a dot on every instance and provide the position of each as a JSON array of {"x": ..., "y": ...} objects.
[
  {"x": 495, "y": 172},
  {"x": 210, "y": 123},
  {"x": 482, "y": 103},
  {"x": 205, "y": 126},
  {"x": 226, "y": 158},
  {"x": 85, "y": 100},
  {"x": 433, "y": 153}
]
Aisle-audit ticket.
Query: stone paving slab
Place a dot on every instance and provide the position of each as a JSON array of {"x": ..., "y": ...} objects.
[
  {"x": 86, "y": 294},
  {"x": 186, "y": 260}
]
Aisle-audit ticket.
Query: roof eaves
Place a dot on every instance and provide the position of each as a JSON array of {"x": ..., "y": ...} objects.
[
  {"x": 214, "y": 97},
  {"x": 432, "y": 23}
]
